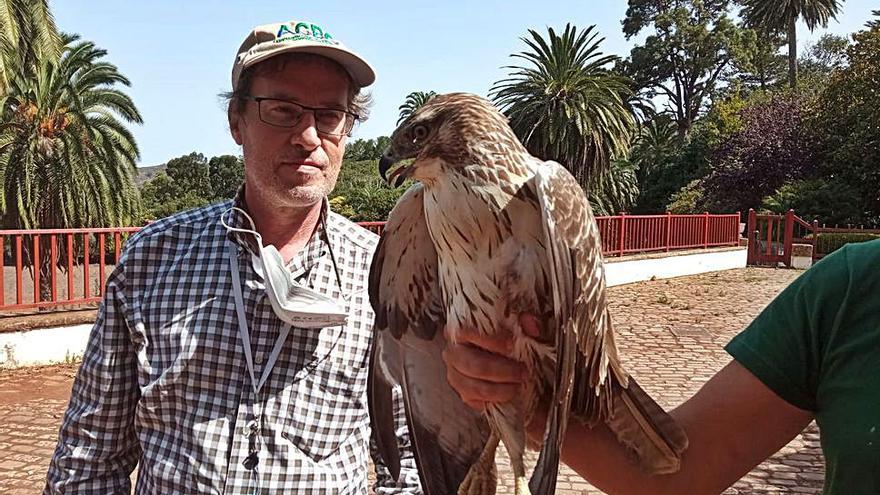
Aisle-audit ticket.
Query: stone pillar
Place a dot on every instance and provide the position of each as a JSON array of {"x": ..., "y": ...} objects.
[{"x": 801, "y": 256}]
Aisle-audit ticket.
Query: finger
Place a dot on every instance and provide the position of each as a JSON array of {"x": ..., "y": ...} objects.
[
  {"x": 479, "y": 364},
  {"x": 530, "y": 325},
  {"x": 499, "y": 344},
  {"x": 471, "y": 390}
]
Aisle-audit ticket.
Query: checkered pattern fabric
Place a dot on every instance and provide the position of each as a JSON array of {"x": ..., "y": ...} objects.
[{"x": 164, "y": 383}]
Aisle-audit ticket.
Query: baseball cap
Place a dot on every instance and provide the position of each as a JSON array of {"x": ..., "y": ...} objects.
[{"x": 268, "y": 40}]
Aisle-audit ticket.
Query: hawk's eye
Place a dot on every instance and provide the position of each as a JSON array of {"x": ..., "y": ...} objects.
[{"x": 419, "y": 132}]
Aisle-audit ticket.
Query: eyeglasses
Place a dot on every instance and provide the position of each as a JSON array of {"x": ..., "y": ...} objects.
[{"x": 284, "y": 113}]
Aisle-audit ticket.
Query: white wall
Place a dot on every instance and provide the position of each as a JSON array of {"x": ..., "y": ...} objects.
[
  {"x": 43, "y": 346},
  {"x": 627, "y": 272},
  {"x": 62, "y": 344}
]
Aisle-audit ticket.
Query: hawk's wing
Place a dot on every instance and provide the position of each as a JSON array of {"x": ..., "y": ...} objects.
[
  {"x": 447, "y": 436},
  {"x": 588, "y": 370}
]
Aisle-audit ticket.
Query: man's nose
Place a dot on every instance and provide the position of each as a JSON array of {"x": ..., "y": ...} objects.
[{"x": 305, "y": 133}]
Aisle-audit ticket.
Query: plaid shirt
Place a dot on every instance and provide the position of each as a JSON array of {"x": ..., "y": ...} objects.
[{"x": 164, "y": 383}]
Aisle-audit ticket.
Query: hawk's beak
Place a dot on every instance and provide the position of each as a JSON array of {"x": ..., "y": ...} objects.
[{"x": 398, "y": 175}]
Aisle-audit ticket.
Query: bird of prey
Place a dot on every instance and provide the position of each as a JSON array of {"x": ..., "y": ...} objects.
[{"x": 489, "y": 232}]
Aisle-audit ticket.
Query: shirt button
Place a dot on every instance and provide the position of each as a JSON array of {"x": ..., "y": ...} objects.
[{"x": 258, "y": 359}]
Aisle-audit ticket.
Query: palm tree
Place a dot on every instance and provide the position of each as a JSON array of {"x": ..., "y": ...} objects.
[
  {"x": 66, "y": 156},
  {"x": 656, "y": 141},
  {"x": 27, "y": 34},
  {"x": 413, "y": 102},
  {"x": 618, "y": 189},
  {"x": 782, "y": 15},
  {"x": 566, "y": 105}
]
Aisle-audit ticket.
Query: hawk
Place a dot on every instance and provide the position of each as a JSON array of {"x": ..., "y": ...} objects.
[{"x": 486, "y": 233}]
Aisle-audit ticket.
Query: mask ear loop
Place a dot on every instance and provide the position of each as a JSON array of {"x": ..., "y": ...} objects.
[{"x": 237, "y": 229}]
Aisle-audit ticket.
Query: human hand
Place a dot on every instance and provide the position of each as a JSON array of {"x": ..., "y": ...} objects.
[{"x": 478, "y": 367}]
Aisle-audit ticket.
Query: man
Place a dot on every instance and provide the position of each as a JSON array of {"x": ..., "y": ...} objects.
[{"x": 230, "y": 353}]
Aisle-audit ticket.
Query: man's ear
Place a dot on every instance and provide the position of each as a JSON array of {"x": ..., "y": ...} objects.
[{"x": 234, "y": 126}]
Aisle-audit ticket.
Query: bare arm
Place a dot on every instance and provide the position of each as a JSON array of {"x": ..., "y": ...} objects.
[{"x": 733, "y": 423}]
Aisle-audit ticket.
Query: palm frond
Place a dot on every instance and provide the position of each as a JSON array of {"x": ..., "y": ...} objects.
[{"x": 565, "y": 104}]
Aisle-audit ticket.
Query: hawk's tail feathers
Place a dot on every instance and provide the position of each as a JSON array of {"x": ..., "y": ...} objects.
[{"x": 647, "y": 431}]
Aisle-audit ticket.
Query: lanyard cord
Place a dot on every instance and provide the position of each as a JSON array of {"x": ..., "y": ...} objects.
[{"x": 243, "y": 328}]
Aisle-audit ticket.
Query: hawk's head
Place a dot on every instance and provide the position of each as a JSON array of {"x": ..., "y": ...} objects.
[{"x": 449, "y": 131}]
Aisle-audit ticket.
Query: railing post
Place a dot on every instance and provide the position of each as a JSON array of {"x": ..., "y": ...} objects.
[
  {"x": 35, "y": 259},
  {"x": 622, "y": 235},
  {"x": 2, "y": 271},
  {"x": 668, "y": 230},
  {"x": 54, "y": 256},
  {"x": 87, "y": 292},
  {"x": 815, "y": 237},
  {"x": 752, "y": 240},
  {"x": 101, "y": 249},
  {"x": 705, "y": 230},
  {"x": 69, "y": 266},
  {"x": 18, "y": 277},
  {"x": 787, "y": 237},
  {"x": 736, "y": 227}
]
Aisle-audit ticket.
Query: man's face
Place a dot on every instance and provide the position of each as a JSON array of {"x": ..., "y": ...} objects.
[{"x": 297, "y": 166}]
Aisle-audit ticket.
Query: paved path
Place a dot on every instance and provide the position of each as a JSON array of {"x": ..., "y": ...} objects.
[{"x": 671, "y": 334}]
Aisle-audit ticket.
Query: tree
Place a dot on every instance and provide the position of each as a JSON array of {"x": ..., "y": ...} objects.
[
  {"x": 226, "y": 174},
  {"x": 66, "y": 156},
  {"x": 162, "y": 198},
  {"x": 27, "y": 36},
  {"x": 413, "y": 102},
  {"x": 190, "y": 173},
  {"x": 687, "y": 200},
  {"x": 783, "y": 15},
  {"x": 361, "y": 195},
  {"x": 821, "y": 59},
  {"x": 846, "y": 124},
  {"x": 829, "y": 200},
  {"x": 873, "y": 23},
  {"x": 664, "y": 175},
  {"x": 617, "y": 190},
  {"x": 566, "y": 105},
  {"x": 766, "y": 67},
  {"x": 691, "y": 44},
  {"x": 191, "y": 181},
  {"x": 773, "y": 147},
  {"x": 652, "y": 147},
  {"x": 366, "y": 149}
]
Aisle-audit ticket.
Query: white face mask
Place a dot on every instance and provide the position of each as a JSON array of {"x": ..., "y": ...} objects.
[{"x": 293, "y": 303}]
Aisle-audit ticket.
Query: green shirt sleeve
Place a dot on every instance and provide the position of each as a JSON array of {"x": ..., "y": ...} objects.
[{"x": 783, "y": 346}]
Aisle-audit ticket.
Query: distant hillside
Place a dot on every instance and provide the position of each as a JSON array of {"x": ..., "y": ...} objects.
[{"x": 146, "y": 173}]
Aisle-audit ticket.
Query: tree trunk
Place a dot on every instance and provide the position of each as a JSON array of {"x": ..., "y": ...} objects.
[
  {"x": 46, "y": 267},
  {"x": 683, "y": 129},
  {"x": 792, "y": 53}
]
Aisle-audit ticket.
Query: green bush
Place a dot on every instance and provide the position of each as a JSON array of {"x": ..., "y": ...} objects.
[
  {"x": 361, "y": 195},
  {"x": 828, "y": 243}
]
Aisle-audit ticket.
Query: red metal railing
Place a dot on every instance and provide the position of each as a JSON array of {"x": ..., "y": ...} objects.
[
  {"x": 771, "y": 237},
  {"x": 623, "y": 234},
  {"x": 374, "y": 227},
  {"x": 70, "y": 256},
  {"x": 83, "y": 257}
]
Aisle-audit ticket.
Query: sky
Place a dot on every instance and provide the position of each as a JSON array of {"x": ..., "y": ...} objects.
[{"x": 178, "y": 54}]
